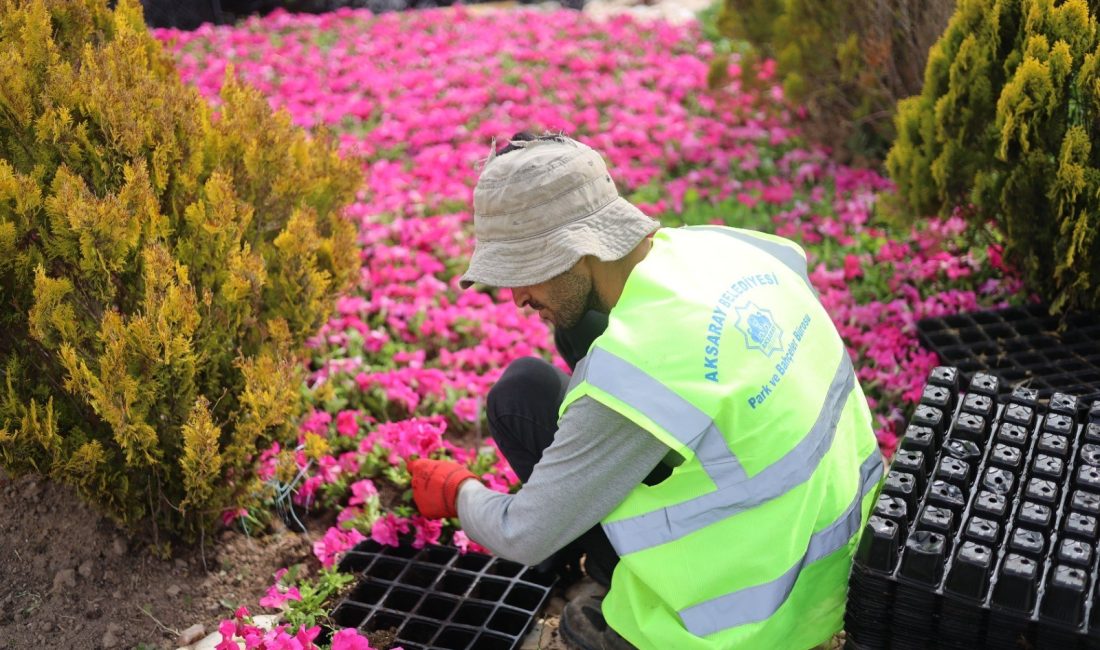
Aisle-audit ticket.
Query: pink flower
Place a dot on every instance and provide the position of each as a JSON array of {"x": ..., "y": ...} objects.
[
  {"x": 268, "y": 461},
  {"x": 386, "y": 529},
  {"x": 497, "y": 483},
  {"x": 777, "y": 194},
  {"x": 415, "y": 436},
  {"x": 853, "y": 268},
  {"x": 228, "y": 630},
  {"x": 350, "y": 305},
  {"x": 253, "y": 636},
  {"x": 334, "y": 542},
  {"x": 347, "y": 424},
  {"x": 305, "y": 636},
  {"x": 349, "y": 462},
  {"x": 467, "y": 409},
  {"x": 465, "y": 544},
  {"x": 347, "y": 514},
  {"x": 278, "y": 639},
  {"x": 316, "y": 422},
  {"x": 277, "y": 597},
  {"x": 232, "y": 515},
  {"x": 427, "y": 531},
  {"x": 305, "y": 492},
  {"x": 349, "y": 639},
  {"x": 362, "y": 491},
  {"x": 328, "y": 469}
]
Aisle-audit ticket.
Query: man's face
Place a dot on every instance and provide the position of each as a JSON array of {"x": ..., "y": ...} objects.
[{"x": 561, "y": 300}]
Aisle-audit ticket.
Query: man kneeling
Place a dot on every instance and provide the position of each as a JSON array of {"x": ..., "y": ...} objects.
[{"x": 712, "y": 453}]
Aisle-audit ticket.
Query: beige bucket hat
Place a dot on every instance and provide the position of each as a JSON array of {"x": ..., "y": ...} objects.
[{"x": 541, "y": 208}]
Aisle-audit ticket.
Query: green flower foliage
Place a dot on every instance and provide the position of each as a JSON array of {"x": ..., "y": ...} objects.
[
  {"x": 847, "y": 61},
  {"x": 1004, "y": 126},
  {"x": 161, "y": 264}
]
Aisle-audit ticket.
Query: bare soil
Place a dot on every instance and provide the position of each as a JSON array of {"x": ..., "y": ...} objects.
[{"x": 70, "y": 578}]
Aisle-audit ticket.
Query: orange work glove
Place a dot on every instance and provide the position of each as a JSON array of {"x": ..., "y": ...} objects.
[{"x": 435, "y": 486}]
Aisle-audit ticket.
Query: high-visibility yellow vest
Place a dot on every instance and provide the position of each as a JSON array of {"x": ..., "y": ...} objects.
[{"x": 719, "y": 347}]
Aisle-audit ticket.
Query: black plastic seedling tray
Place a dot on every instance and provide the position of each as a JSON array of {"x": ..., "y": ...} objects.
[
  {"x": 985, "y": 531},
  {"x": 435, "y": 597},
  {"x": 1021, "y": 346}
]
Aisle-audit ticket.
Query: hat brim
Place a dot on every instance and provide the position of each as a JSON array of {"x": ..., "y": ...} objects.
[{"x": 607, "y": 234}]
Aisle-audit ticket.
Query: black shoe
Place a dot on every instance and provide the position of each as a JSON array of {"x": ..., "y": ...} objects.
[{"x": 583, "y": 626}]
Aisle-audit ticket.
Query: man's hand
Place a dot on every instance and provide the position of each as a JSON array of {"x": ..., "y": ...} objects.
[{"x": 435, "y": 486}]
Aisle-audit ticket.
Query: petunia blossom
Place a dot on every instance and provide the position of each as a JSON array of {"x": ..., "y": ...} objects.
[
  {"x": 349, "y": 639},
  {"x": 387, "y": 528}
]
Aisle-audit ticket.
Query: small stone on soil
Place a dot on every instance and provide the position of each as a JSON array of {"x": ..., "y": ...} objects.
[
  {"x": 192, "y": 634},
  {"x": 173, "y": 591},
  {"x": 110, "y": 639},
  {"x": 118, "y": 546},
  {"x": 85, "y": 569},
  {"x": 64, "y": 578}
]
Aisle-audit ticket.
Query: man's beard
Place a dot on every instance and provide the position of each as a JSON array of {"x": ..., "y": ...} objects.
[{"x": 574, "y": 296}]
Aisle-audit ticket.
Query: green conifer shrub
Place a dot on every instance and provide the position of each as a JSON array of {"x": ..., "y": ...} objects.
[
  {"x": 847, "y": 61},
  {"x": 1005, "y": 126},
  {"x": 161, "y": 264}
]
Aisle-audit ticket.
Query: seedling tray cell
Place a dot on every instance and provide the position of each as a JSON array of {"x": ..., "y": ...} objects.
[
  {"x": 990, "y": 538},
  {"x": 1021, "y": 347},
  {"x": 436, "y": 598}
]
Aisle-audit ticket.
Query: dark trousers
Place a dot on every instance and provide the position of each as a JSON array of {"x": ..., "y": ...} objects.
[{"x": 522, "y": 408}]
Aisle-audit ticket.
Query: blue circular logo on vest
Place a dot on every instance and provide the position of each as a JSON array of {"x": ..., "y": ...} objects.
[{"x": 759, "y": 328}]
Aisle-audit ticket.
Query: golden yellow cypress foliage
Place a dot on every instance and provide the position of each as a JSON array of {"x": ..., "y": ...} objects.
[
  {"x": 315, "y": 446},
  {"x": 1005, "y": 124},
  {"x": 201, "y": 461},
  {"x": 160, "y": 268}
]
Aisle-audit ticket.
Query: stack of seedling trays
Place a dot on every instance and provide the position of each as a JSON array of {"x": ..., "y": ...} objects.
[
  {"x": 985, "y": 531},
  {"x": 1021, "y": 346},
  {"x": 435, "y": 597}
]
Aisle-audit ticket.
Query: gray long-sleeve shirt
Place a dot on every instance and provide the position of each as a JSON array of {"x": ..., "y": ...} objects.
[{"x": 598, "y": 456}]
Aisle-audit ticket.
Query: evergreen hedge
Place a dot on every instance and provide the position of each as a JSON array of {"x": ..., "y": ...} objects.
[
  {"x": 1005, "y": 127},
  {"x": 161, "y": 263},
  {"x": 847, "y": 61}
]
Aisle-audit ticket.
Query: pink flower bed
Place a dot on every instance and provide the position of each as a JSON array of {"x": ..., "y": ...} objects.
[{"x": 403, "y": 366}]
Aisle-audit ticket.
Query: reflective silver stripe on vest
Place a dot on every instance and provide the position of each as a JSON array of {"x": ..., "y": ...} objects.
[
  {"x": 785, "y": 254},
  {"x": 684, "y": 421},
  {"x": 760, "y": 602},
  {"x": 793, "y": 469}
]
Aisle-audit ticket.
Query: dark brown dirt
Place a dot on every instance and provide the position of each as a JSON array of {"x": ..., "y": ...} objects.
[
  {"x": 382, "y": 638},
  {"x": 70, "y": 578}
]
